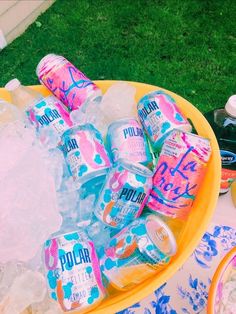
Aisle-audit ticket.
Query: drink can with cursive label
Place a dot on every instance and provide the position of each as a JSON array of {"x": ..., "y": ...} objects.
[
  {"x": 85, "y": 153},
  {"x": 73, "y": 272},
  {"x": 179, "y": 172},
  {"x": 159, "y": 115},
  {"x": 137, "y": 252},
  {"x": 124, "y": 193},
  {"x": 126, "y": 139},
  {"x": 66, "y": 82}
]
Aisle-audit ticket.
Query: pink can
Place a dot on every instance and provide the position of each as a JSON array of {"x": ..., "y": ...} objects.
[
  {"x": 179, "y": 172},
  {"x": 66, "y": 82}
]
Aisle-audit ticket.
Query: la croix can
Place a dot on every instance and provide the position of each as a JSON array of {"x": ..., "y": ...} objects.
[
  {"x": 159, "y": 115},
  {"x": 66, "y": 82},
  {"x": 49, "y": 112},
  {"x": 124, "y": 194},
  {"x": 73, "y": 271},
  {"x": 179, "y": 172},
  {"x": 126, "y": 139},
  {"x": 137, "y": 252},
  {"x": 85, "y": 153}
]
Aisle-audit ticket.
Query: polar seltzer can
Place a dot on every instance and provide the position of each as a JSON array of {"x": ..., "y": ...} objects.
[
  {"x": 85, "y": 153},
  {"x": 49, "y": 112},
  {"x": 124, "y": 194},
  {"x": 137, "y": 252},
  {"x": 126, "y": 139},
  {"x": 159, "y": 115},
  {"x": 179, "y": 172},
  {"x": 73, "y": 272},
  {"x": 66, "y": 82}
]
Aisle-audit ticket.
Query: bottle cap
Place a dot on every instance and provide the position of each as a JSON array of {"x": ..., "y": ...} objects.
[
  {"x": 13, "y": 84},
  {"x": 230, "y": 106}
]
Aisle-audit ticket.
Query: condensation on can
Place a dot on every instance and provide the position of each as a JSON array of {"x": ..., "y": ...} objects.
[
  {"x": 66, "y": 82},
  {"x": 85, "y": 153},
  {"x": 126, "y": 139},
  {"x": 124, "y": 194},
  {"x": 159, "y": 115},
  {"x": 137, "y": 252},
  {"x": 49, "y": 112},
  {"x": 180, "y": 170},
  {"x": 72, "y": 270}
]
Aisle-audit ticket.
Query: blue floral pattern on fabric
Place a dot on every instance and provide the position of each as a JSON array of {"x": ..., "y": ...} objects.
[
  {"x": 130, "y": 310},
  {"x": 207, "y": 249},
  {"x": 162, "y": 302},
  {"x": 197, "y": 294}
]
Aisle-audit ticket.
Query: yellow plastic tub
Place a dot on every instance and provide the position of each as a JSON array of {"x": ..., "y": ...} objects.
[{"x": 201, "y": 213}]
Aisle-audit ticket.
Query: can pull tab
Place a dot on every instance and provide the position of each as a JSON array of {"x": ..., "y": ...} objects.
[{"x": 162, "y": 234}]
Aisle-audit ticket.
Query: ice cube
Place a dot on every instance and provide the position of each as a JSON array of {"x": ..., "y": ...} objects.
[
  {"x": 85, "y": 210},
  {"x": 29, "y": 212},
  {"x": 49, "y": 137},
  {"x": 118, "y": 102},
  {"x": 27, "y": 288},
  {"x": 8, "y": 113},
  {"x": 99, "y": 233},
  {"x": 47, "y": 306},
  {"x": 8, "y": 272}
]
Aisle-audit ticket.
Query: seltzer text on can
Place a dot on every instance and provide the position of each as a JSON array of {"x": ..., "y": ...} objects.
[
  {"x": 85, "y": 153},
  {"x": 124, "y": 194},
  {"x": 66, "y": 82},
  {"x": 159, "y": 114},
  {"x": 73, "y": 272},
  {"x": 179, "y": 172},
  {"x": 126, "y": 139},
  {"x": 137, "y": 252}
]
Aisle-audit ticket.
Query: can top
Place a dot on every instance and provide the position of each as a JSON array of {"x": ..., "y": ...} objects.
[
  {"x": 135, "y": 167},
  {"x": 123, "y": 120},
  {"x": 161, "y": 235},
  {"x": 73, "y": 232},
  {"x": 201, "y": 145},
  {"x": 47, "y": 63}
]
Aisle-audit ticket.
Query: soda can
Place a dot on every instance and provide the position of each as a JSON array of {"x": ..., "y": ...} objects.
[
  {"x": 49, "y": 112},
  {"x": 126, "y": 139},
  {"x": 66, "y": 82},
  {"x": 159, "y": 115},
  {"x": 73, "y": 272},
  {"x": 137, "y": 252},
  {"x": 180, "y": 170},
  {"x": 85, "y": 153},
  {"x": 124, "y": 194}
]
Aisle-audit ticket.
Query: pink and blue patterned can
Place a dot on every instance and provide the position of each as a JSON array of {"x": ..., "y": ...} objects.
[
  {"x": 124, "y": 194},
  {"x": 137, "y": 252},
  {"x": 126, "y": 139},
  {"x": 49, "y": 112},
  {"x": 159, "y": 115},
  {"x": 66, "y": 82},
  {"x": 73, "y": 272},
  {"x": 180, "y": 170},
  {"x": 85, "y": 153}
]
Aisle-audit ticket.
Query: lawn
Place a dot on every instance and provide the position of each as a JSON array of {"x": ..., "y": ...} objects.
[{"x": 185, "y": 46}]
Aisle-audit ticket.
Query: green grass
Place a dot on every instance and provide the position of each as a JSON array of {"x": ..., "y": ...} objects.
[{"x": 185, "y": 46}]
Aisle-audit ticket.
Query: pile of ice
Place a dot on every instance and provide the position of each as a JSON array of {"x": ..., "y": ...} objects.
[{"x": 38, "y": 199}]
